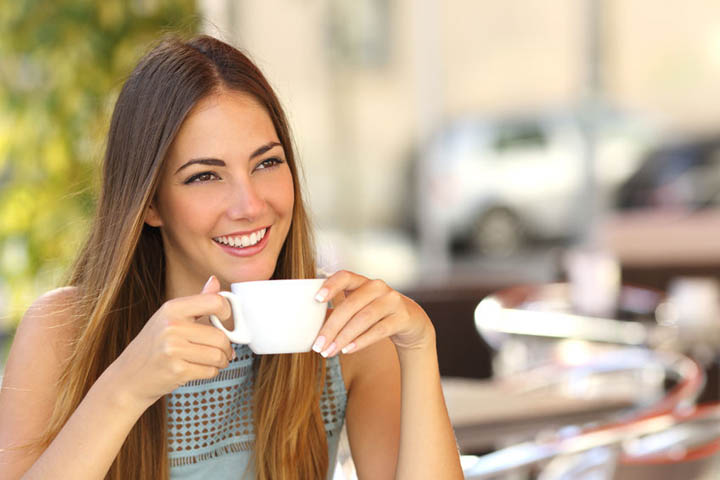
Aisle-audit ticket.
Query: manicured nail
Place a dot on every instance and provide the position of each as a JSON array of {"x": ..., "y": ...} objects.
[
  {"x": 321, "y": 295},
  {"x": 319, "y": 342},
  {"x": 330, "y": 350},
  {"x": 234, "y": 355},
  {"x": 208, "y": 282},
  {"x": 348, "y": 348}
]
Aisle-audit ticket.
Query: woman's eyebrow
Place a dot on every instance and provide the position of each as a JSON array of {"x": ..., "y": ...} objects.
[
  {"x": 202, "y": 161},
  {"x": 264, "y": 149},
  {"x": 219, "y": 163}
]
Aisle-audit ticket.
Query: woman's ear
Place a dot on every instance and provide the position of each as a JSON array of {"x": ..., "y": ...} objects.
[{"x": 152, "y": 217}]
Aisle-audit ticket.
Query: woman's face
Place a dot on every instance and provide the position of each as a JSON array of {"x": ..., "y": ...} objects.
[{"x": 225, "y": 199}]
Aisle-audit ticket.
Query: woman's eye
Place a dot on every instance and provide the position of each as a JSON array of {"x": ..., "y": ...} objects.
[
  {"x": 269, "y": 162},
  {"x": 201, "y": 177}
]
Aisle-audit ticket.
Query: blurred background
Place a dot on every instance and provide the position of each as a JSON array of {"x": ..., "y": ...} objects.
[{"x": 454, "y": 148}]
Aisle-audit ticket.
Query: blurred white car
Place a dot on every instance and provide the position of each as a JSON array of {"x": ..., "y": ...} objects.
[{"x": 495, "y": 184}]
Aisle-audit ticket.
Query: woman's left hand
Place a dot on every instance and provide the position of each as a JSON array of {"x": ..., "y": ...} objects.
[{"x": 371, "y": 311}]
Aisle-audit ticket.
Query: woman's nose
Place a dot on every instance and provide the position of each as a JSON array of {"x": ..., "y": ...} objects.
[{"x": 246, "y": 202}]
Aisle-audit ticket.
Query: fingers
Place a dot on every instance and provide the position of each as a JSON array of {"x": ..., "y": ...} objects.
[
  {"x": 204, "y": 355},
  {"x": 212, "y": 285},
  {"x": 363, "y": 295},
  {"x": 338, "y": 283},
  {"x": 206, "y": 335},
  {"x": 369, "y": 304},
  {"x": 191, "y": 307},
  {"x": 373, "y": 317},
  {"x": 181, "y": 336},
  {"x": 377, "y": 332},
  {"x": 195, "y": 371},
  {"x": 199, "y": 351}
]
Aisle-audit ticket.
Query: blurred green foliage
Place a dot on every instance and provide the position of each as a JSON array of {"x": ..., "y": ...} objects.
[{"x": 62, "y": 63}]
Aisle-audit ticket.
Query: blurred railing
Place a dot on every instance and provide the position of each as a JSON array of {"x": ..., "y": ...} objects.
[
  {"x": 676, "y": 438},
  {"x": 542, "y": 343}
]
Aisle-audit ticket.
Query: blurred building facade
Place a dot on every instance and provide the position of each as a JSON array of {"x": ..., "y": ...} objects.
[{"x": 364, "y": 82}]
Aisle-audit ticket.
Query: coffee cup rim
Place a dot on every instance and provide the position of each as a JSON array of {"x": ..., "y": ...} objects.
[{"x": 277, "y": 280}]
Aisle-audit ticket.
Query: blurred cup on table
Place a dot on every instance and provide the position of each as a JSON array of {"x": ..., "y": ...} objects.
[{"x": 594, "y": 277}]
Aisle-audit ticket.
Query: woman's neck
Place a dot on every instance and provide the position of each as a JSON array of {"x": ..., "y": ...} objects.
[{"x": 183, "y": 285}]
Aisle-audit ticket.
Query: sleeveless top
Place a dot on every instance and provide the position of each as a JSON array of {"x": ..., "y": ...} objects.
[{"x": 210, "y": 422}]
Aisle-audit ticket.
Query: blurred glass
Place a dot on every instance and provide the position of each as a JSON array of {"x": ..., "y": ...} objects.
[{"x": 594, "y": 277}]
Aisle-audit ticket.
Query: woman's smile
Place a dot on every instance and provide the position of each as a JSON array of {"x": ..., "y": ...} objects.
[{"x": 244, "y": 245}]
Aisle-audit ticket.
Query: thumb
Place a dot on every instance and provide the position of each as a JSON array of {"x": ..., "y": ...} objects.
[{"x": 212, "y": 285}]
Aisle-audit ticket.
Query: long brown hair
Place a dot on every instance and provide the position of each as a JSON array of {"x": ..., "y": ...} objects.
[{"x": 120, "y": 272}]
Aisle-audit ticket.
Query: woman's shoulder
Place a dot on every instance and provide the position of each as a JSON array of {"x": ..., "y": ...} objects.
[
  {"x": 53, "y": 305},
  {"x": 50, "y": 317},
  {"x": 43, "y": 339},
  {"x": 56, "y": 298}
]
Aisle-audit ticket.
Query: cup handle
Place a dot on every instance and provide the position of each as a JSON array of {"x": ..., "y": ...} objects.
[{"x": 240, "y": 334}]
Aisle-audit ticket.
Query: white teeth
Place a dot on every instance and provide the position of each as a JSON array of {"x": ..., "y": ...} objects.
[{"x": 244, "y": 240}]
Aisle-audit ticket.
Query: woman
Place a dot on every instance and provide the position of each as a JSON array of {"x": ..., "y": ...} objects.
[{"x": 120, "y": 375}]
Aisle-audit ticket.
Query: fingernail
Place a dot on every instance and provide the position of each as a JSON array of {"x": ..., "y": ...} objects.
[
  {"x": 348, "y": 348},
  {"x": 319, "y": 342},
  {"x": 330, "y": 350},
  {"x": 208, "y": 282},
  {"x": 234, "y": 355},
  {"x": 321, "y": 294}
]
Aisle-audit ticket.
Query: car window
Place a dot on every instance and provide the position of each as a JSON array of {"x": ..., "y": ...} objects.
[{"x": 519, "y": 136}]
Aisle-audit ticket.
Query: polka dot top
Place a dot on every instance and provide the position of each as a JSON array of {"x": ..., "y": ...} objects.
[{"x": 210, "y": 422}]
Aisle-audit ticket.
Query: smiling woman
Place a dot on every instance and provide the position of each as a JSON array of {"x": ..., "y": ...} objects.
[
  {"x": 200, "y": 190},
  {"x": 250, "y": 185}
]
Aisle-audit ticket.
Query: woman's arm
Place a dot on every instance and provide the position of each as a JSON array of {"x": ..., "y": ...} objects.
[
  {"x": 28, "y": 388},
  {"x": 158, "y": 360},
  {"x": 87, "y": 445},
  {"x": 372, "y": 414},
  {"x": 425, "y": 430},
  {"x": 416, "y": 430}
]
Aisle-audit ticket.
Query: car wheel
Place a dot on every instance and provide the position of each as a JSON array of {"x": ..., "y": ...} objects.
[{"x": 498, "y": 233}]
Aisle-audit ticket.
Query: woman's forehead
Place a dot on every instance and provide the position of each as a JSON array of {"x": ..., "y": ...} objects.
[{"x": 221, "y": 124}]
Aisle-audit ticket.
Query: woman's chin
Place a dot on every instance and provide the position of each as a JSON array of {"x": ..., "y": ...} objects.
[{"x": 252, "y": 276}]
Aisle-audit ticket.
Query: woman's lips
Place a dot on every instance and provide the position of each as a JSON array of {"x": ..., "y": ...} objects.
[{"x": 246, "y": 251}]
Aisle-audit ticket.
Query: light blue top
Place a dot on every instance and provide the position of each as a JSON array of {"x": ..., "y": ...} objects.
[{"x": 210, "y": 423}]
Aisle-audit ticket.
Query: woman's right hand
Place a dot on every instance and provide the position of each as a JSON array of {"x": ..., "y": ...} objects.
[{"x": 173, "y": 348}]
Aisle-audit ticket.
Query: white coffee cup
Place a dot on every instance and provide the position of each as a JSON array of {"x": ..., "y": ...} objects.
[{"x": 275, "y": 316}]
